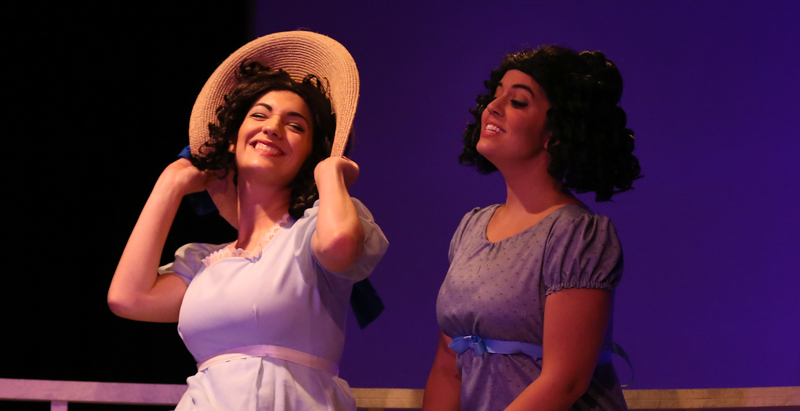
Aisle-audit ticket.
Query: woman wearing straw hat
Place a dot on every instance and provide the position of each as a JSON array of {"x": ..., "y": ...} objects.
[
  {"x": 264, "y": 315},
  {"x": 526, "y": 307}
]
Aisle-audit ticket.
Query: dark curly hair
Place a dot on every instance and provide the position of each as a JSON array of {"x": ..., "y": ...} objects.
[
  {"x": 255, "y": 80},
  {"x": 590, "y": 148}
]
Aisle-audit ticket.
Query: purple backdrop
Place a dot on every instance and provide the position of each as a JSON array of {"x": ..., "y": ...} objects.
[{"x": 709, "y": 296}]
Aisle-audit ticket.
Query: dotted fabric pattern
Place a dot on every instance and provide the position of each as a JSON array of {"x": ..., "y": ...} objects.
[{"x": 497, "y": 290}]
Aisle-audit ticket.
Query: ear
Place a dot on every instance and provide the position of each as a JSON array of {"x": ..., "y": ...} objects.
[
  {"x": 232, "y": 148},
  {"x": 547, "y": 142}
]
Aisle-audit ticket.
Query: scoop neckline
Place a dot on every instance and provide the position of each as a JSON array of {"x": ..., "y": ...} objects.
[
  {"x": 236, "y": 252},
  {"x": 497, "y": 206}
]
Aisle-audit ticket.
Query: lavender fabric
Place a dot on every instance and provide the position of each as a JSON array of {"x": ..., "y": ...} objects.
[
  {"x": 367, "y": 304},
  {"x": 498, "y": 291},
  {"x": 282, "y": 297}
]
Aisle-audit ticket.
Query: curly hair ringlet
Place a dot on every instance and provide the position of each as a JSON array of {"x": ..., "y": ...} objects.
[
  {"x": 591, "y": 149},
  {"x": 255, "y": 80}
]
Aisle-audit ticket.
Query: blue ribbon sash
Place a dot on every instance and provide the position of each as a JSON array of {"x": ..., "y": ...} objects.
[{"x": 483, "y": 345}]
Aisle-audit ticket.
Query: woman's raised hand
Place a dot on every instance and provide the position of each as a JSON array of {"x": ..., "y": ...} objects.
[
  {"x": 184, "y": 178},
  {"x": 332, "y": 167}
]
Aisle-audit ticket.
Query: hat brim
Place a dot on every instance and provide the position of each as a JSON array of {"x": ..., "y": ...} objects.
[{"x": 299, "y": 53}]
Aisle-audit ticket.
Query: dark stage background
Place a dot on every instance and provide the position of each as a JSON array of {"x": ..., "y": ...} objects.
[
  {"x": 709, "y": 296},
  {"x": 102, "y": 93}
]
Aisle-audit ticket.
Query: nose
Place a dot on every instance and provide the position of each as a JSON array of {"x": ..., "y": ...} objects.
[
  {"x": 273, "y": 126},
  {"x": 495, "y": 107}
]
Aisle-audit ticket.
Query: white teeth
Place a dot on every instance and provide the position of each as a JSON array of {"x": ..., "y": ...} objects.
[
  {"x": 269, "y": 149},
  {"x": 494, "y": 129}
]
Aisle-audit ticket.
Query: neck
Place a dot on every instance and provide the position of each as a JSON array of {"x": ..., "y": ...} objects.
[
  {"x": 260, "y": 207},
  {"x": 530, "y": 189}
]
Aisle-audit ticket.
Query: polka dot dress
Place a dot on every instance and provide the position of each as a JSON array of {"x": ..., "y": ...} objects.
[{"x": 498, "y": 291}]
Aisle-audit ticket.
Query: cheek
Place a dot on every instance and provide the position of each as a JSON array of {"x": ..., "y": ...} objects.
[
  {"x": 302, "y": 148},
  {"x": 534, "y": 127},
  {"x": 241, "y": 135},
  {"x": 307, "y": 143},
  {"x": 306, "y": 153}
]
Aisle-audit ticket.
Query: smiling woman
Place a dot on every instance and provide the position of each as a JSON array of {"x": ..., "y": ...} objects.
[
  {"x": 526, "y": 308},
  {"x": 525, "y": 119},
  {"x": 275, "y": 138},
  {"x": 242, "y": 108},
  {"x": 264, "y": 315}
]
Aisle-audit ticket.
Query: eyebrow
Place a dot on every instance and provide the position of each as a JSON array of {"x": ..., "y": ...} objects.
[
  {"x": 521, "y": 86},
  {"x": 290, "y": 114}
]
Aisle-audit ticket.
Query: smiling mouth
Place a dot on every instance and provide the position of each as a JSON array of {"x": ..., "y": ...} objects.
[
  {"x": 491, "y": 128},
  {"x": 267, "y": 149}
]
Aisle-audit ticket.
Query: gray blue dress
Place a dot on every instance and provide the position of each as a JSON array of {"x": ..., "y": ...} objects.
[{"x": 498, "y": 291}]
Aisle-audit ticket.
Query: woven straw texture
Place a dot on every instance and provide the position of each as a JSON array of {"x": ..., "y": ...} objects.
[{"x": 297, "y": 52}]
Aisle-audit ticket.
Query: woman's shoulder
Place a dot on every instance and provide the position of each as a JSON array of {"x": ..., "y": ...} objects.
[
  {"x": 375, "y": 242},
  {"x": 578, "y": 214},
  {"x": 189, "y": 259},
  {"x": 582, "y": 251},
  {"x": 306, "y": 224},
  {"x": 362, "y": 210},
  {"x": 473, "y": 225},
  {"x": 476, "y": 214},
  {"x": 197, "y": 251},
  {"x": 576, "y": 224}
]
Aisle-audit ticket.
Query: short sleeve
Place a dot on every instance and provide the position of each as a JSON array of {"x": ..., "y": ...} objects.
[
  {"x": 375, "y": 243},
  {"x": 375, "y": 246},
  {"x": 582, "y": 252},
  {"x": 189, "y": 260},
  {"x": 462, "y": 227}
]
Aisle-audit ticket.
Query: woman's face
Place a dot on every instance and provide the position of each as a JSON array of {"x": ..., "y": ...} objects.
[
  {"x": 275, "y": 138},
  {"x": 513, "y": 125}
]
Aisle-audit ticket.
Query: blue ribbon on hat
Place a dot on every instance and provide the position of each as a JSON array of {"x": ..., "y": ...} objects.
[
  {"x": 201, "y": 201},
  {"x": 367, "y": 304}
]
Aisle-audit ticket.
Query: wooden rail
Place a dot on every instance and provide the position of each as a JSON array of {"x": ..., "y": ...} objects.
[{"x": 61, "y": 393}]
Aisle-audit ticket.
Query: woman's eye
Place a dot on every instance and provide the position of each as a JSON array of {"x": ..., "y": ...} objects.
[
  {"x": 258, "y": 115},
  {"x": 518, "y": 104},
  {"x": 296, "y": 127}
]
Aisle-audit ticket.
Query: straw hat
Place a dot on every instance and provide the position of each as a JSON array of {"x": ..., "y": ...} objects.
[{"x": 297, "y": 52}]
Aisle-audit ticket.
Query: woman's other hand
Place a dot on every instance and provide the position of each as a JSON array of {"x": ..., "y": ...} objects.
[
  {"x": 184, "y": 178},
  {"x": 336, "y": 167}
]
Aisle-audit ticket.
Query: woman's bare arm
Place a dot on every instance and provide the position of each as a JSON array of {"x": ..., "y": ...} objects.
[
  {"x": 339, "y": 238},
  {"x": 137, "y": 292},
  {"x": 575, "y": 322},
  {"x": 443, "y": 390}
]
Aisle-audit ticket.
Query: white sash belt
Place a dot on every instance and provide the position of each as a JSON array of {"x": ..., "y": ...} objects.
[{"x": 273, "y": 351}]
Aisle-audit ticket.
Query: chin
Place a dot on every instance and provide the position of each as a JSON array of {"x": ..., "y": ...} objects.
[
  {"x": 254, "y": 170},
  {"x": 483, "y": 149}
]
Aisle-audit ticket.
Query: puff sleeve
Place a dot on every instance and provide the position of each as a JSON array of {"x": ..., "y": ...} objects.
[
  {"x": 462, "y": 227},
  {"x": 375, "y": 243},
  {"x": 189, "y": 260},
  {"x": 582, "y": 252}
]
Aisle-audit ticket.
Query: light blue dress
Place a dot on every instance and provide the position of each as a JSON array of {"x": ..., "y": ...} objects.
[{"x": 280, "y": 297}]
